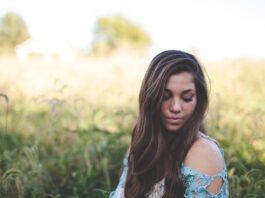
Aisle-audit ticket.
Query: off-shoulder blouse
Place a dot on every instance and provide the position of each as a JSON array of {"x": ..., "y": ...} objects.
[{"x": 195, "y": 181}]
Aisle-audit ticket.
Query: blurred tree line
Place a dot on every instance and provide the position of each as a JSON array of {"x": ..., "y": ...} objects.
[
  {"x": 13, "y": 31},
  {"x": 115, "y": 32},
  {"x": 111, "y": 33}
]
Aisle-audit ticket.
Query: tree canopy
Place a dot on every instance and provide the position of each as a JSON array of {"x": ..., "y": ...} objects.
[
  {"x": 13, "y": 31},
  {"x": 116, "y": 31}
]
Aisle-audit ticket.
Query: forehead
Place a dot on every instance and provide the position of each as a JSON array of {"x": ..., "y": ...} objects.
[{"x": 180, "y": 82}]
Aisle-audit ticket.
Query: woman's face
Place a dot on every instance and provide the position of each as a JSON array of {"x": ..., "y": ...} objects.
[{"x": 179, "y": 101}]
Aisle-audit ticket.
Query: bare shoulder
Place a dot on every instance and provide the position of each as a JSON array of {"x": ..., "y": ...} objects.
[{"x": 205, "y": 157}]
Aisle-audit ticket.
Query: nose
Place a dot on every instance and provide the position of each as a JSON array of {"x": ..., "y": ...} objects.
[{"x": 175, "y": 106}]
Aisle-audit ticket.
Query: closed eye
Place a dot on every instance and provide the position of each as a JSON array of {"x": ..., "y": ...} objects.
[
  {"x": 166, "y": 97},
  {"x": 187, "y": 99},
  {"x": 167, "y": 94}
]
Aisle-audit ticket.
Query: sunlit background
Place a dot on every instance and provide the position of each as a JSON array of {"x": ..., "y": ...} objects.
[
  {"x": 216, "y": 28},
  {"x": 70, "y": 74}
]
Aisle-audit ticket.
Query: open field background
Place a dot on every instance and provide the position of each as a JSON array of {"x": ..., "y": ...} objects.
[{"x": 68, "y": 125}]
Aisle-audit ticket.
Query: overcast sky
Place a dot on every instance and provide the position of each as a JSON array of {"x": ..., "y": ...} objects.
[{"x": 216, "y": 28}]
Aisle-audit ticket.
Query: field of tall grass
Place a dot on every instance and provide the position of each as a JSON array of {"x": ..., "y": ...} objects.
[{"x": 65, "y": 127}]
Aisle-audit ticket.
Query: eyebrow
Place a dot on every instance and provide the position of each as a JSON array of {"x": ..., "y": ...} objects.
[{"x": 184, "y": 92}]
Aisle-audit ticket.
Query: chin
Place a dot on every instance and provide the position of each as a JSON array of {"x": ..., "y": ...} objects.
[{"x": 173, "y": 129}]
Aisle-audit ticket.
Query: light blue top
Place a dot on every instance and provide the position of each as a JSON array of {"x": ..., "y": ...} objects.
[{"x": 196, "y": 182}]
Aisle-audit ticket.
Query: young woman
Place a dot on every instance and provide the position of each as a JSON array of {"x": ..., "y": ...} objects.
[{"x": 170, "y": 154}]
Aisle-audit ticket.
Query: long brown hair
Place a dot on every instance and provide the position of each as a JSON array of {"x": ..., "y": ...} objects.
[{"x": 152, "y": 156}]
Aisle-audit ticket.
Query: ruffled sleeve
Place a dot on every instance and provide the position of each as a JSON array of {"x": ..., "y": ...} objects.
[{"x": 197, "y": 183}]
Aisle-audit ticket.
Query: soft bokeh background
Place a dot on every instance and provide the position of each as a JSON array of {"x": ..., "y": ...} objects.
[{"x": 70, "y": 77}]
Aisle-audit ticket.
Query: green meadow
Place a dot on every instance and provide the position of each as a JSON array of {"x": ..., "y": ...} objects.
[{"x": 65, "y": 126}]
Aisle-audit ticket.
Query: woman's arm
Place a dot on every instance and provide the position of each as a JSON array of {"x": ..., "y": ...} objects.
[{"x": 207, "y": 166}]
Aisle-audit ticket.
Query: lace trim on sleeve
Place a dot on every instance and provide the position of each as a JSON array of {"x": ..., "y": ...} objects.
[{"x": 197, "y": 183}]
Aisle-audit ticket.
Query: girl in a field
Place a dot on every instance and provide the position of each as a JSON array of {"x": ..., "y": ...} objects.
[{"x": 170, "y": 154}]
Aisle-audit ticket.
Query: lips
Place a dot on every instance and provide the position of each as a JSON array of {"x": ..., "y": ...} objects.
[{"x": 175, "y": 120}]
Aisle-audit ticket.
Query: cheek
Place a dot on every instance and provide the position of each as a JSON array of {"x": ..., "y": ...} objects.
[{"x": 190, "y": 107}]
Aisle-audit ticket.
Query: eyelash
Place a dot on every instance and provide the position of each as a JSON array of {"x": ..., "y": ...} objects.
[
  {"x": 166, "y": 97},
  {"x": 188, "y": 100},
  {"x": 185, "y": 99}
]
